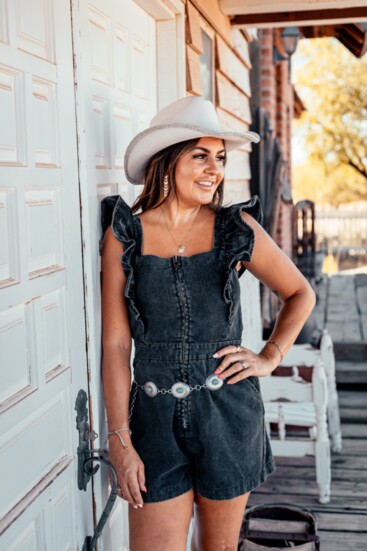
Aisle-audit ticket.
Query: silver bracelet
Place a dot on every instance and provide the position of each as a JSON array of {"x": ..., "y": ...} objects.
[
  {"x": 117, "y": 432},
  {"x": 277, "y": 347}
]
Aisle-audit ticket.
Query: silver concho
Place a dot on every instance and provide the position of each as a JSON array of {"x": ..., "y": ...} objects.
[
  {"x": 213, "y": 382},
  {"x": 150, "y": 389},
  {"x": 180, "y": 390}
]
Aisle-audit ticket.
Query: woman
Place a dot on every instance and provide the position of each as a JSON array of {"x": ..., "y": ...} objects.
[{"x": 194, "y": 435}]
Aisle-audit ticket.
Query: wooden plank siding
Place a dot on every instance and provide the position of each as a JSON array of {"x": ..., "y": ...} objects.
[
  {"x": 231, "y": 99},
  {"x": 211, "y": 11},
  {"x": 239, "y": 165},
  {"x": 231, "y": 76},
  {"x": 231, "y": 122},
  {"x": 241, "y": 47},
  {"x": 233, "y": 66},
  {"x": 193, "y": 77},
  {"x": 193, "y": 29}
]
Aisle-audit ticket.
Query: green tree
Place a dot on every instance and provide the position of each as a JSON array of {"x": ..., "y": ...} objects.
[
  {"x": 333, "y": 86},
  {"x": 311, "y": 180}
]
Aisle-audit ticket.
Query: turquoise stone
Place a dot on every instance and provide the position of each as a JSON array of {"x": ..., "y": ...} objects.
[{"x": 213, "y": 382}]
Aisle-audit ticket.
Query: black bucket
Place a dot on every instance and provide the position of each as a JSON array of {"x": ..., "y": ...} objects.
[{"x": 276, "y": 526}]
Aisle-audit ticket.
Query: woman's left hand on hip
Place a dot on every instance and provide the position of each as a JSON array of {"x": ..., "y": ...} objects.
[{"x": 239, "y": 363}]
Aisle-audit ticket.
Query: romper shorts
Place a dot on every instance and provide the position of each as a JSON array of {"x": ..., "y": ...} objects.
[{"x": 182, "y": 310}]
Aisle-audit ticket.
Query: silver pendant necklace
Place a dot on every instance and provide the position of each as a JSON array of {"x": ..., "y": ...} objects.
[{"x": 180, "y": 247}]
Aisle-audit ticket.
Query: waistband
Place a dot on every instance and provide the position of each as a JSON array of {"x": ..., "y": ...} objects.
[{"x": 180, "y": 351}]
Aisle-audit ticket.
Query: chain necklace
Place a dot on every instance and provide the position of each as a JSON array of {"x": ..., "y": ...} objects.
[{"x": 182, "y": 247}]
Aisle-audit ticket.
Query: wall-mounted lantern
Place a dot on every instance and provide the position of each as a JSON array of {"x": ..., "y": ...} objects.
[{"x": 289, "y": 38}]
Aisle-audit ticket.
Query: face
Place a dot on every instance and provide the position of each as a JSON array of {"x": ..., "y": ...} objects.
[{"x": 200, "y": 171}]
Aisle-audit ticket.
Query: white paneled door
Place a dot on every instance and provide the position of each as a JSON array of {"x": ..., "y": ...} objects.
[
  {"x": 77, "y": 80},
  {"x": 115, "y": 46},
  {"x": 42, "y": 321}
]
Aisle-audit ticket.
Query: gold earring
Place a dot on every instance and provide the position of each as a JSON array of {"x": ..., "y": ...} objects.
[{"x": 165, "y": 185}]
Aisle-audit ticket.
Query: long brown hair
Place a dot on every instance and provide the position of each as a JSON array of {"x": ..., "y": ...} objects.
[{"x": 164, "y": 162}]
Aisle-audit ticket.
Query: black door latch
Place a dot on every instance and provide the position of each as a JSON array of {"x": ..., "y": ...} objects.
[{"x": 87, "y": 467}]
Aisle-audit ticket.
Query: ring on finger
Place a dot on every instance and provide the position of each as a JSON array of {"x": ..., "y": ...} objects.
[{"x": 244, "y": 365}]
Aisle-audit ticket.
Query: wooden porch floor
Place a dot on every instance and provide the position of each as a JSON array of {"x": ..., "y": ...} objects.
[
  {"x": 342, "y": 523},
  {"x": 342, "y": 310},
  {"x": 342, "y": 307}
]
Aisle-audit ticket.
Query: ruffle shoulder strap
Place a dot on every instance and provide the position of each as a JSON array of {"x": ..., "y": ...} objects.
[
  {"x": 239, "y": 236},
  {"x": 116, "y": 212}
]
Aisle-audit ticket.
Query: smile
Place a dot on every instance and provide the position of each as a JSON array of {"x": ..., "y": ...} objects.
[{"x": 205, "y": 184}]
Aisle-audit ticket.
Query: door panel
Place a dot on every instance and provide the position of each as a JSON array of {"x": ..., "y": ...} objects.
[
  {"x": 116, "y": 97},
  {"x": 42, "y": 323}
]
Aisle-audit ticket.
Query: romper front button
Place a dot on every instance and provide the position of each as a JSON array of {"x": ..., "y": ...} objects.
[{"x": 180, "y": 390}]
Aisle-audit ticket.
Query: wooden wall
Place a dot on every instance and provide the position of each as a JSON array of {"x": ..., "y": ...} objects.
[{"x": 232, "y": 83}]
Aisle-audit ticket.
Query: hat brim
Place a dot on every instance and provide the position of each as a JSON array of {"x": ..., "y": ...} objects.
[{"x": 148, "y": 142}]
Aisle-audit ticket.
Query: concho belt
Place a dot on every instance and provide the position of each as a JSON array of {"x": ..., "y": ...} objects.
[{"x": 180, "y": 389}]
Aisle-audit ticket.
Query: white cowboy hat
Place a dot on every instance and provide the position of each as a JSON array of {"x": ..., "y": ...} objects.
[{"x": 185, "y": 119}]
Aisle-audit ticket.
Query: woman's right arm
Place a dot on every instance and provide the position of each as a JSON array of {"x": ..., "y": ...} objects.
[{"x": 116, "y": 373}]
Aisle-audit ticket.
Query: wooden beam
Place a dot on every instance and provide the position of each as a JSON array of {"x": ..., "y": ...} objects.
[
  {"x": 237, "y": 7},
  {"x": 311, "y": 17}
]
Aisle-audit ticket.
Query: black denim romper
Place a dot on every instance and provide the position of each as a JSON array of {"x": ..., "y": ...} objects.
[{"x": 182, "y": 310}]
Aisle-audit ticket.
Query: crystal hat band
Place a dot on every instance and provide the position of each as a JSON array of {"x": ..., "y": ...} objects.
[{"x": 180, "y": 389}]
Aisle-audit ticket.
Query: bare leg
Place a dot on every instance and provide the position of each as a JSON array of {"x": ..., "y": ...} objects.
[
  {"x": 162, "y": 526},
  {"x": 218, "y": 523}
]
